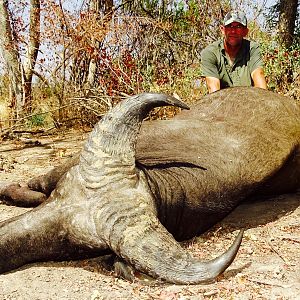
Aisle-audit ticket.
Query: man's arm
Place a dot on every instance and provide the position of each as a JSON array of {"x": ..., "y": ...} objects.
[
  {"x": 258, "y": 78},
  {"x": 209, "y": 69},
  {"x": 213, "y": 84}
]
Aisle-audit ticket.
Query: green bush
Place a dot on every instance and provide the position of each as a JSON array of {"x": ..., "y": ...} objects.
[
  {"x": 282, "y": 68},
  {"x": 37, "y": 120}
]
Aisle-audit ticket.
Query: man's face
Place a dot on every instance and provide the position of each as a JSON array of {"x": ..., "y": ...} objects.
[{"x": 234, "y": 33}]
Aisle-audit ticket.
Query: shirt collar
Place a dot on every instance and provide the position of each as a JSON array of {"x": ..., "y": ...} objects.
[{"x": 240, "y": 53}]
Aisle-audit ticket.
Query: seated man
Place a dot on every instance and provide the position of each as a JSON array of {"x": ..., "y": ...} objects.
[{"x": 233, "y": 60}]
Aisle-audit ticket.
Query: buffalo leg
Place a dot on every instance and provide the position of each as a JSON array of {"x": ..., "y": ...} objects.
[
  {"x": 46, "y": 183},
  {"x": 15, "y": 194}
]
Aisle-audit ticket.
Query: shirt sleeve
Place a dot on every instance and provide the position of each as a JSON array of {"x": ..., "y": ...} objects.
[
  {"x": 209, "y": 66},
  {"x": 256, "y": 60}
]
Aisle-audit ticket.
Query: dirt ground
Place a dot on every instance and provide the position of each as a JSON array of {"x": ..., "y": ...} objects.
[{"x": 267, "y": 265}]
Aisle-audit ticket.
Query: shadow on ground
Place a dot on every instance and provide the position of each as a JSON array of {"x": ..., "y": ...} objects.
[{"x": 257, "y": 212}]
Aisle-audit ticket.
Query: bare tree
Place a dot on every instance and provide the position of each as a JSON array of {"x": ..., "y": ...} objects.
[
  {"x": 98, "y": 12},
  {"x": 32, "y": 50},
  {"x": 20, "y": 75},
  {"x": 98, "y": 6},
  {"x": 10, "y": 53},
  {"x": 287, "y": 21}
]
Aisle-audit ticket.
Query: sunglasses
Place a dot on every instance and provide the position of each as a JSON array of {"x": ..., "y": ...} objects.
[{"x": 230, "y": 26}]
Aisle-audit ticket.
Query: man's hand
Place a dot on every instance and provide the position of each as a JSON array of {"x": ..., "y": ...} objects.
[
  {"x": 258, "y": 78},
  {"x": 213, "y": 84}
]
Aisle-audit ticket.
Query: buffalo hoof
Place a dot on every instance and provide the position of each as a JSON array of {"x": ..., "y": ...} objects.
[{"x": 123, "y": 270}]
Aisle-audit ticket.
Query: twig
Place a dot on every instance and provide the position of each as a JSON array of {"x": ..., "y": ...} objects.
[
  {"x": 30, "y": 131},
  {"x": 273, "y": 249},
  {"x": 293, "y": 239},
  {"x": 41, "y": 113},
  {"x": 285, "y": 286}
]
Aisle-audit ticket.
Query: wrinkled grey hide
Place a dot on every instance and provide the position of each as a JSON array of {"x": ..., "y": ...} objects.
[
  {"x": 186, "y": 175},
  {"x": 230, "y": 145}
]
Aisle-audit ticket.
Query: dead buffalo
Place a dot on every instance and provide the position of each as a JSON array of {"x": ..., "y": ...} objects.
[{"x": 135, "y": 197}]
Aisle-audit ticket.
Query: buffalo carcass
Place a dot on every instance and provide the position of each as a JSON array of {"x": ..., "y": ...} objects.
[{"x": 186, "y": 174}]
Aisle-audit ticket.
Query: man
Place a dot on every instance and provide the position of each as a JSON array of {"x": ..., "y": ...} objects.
[{"x": 233, "y": 60}]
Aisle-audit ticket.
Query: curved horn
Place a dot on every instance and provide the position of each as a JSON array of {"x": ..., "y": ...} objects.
[
  {"x": 124, "y": 211},
  {"x": 113, "y": 140},
  {"x": 119, "y": 128},
  {"x": 131, "y": 229},
  {"x": 155, "y": 252},
  {"x": 128, "y": 224}
]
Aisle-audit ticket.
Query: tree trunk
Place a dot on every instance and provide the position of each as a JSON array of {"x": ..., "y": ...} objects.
[
  {"x": 32, "y": 51},
  {"x": 10, "y": 53},
  {"x": 20, "y": 77},
  {"x": 287, "y": 20},
  {"x": 97, "y": 6},
  {"x": 85, "y": 65}
]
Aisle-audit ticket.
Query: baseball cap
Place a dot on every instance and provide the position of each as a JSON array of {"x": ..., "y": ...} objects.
[{"x": 235, "y": 16}]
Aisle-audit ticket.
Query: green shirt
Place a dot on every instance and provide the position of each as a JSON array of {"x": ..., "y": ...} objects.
[{"x": 215, "y": 63}]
